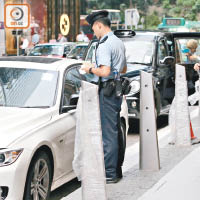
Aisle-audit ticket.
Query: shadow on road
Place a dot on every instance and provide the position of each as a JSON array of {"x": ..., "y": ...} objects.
[{"x": 65, "y": 190}]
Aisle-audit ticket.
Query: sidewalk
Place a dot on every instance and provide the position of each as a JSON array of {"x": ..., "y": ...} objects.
[{"x": 178, "y": 178}]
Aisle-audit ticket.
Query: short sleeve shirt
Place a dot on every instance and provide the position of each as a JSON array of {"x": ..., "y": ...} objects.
[{"x": 111, "y": 53}]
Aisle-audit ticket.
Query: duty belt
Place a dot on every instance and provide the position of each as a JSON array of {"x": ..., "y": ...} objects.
[{"x": 104, "y": 84}]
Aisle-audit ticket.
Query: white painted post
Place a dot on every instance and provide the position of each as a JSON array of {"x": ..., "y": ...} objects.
[
  {"x": 90, "y": 156},
  {"x": 1, "y": 194},
  {"x": 149, "y": 152},
  {"x": 182, "y": 118},
  {"x": 172, "y": 124}
]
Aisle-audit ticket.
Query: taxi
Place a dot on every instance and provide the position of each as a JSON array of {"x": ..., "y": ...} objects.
[{"x": 156, "y": 53}]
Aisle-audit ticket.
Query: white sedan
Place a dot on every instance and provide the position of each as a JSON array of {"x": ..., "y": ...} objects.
[{"x": 38, "y": 98}]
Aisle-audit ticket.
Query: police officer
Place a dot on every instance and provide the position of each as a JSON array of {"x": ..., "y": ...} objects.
[{"x": 110, "y": 62}]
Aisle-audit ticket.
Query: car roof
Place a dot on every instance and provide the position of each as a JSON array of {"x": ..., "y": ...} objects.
[
  {"x": 34, "y": 62},
  {"x": 56, "y": 43},
  {"x": 82, "y": 44},
  {"x": 184, "y": 34},
  {"x": 149, "y": 33}
]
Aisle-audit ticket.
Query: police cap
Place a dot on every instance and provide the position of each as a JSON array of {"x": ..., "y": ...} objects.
[{"x": 91, "y": 18}]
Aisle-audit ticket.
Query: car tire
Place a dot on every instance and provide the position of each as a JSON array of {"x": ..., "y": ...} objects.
[
  {"x": 156, "y": 113},
  {"x": 123, "y": 129},
  {"x": 122, "y": 147},
  {"x": 39, "y": 178}
]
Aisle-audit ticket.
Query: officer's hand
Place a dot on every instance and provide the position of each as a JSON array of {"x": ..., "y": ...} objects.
[
  {"x": 86, "y": 66},
  {"x": 197, "y": 66}
]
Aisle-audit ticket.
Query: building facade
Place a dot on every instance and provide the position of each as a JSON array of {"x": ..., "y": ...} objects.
[
  {"x": 45, "y": 21},
  {"x": 2, "y": 29}
]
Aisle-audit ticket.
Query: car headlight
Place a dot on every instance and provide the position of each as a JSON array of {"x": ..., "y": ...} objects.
[
  {"x": 8, "y": 156},
  {"x": 135, "y": 87}
]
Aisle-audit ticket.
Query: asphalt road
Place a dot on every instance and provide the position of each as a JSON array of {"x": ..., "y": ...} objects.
[{"x": 132, "y": 138}]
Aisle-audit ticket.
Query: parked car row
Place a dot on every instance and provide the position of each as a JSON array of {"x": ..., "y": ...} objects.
[
  {"x": 156, "y": 53},
  {"x": 59, "y": 50}
]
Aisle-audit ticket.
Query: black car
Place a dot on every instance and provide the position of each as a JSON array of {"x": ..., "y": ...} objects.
[{"x": 156, "y": 53}]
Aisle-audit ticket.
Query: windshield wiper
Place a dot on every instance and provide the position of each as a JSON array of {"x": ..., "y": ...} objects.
[
  {"x": 139, "y": 63},
  {"x": 35, "y": 107}
]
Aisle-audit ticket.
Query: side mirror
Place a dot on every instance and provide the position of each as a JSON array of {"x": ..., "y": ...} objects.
[
  {"x": 73, "y": 99},
  {"x": 72, "y": 57},
  {"x": 78, "y": 57},
  {"x": 168, "y": 60},
  {"x": 64, "y": 55},
  {"x": 72, "y": 103}
]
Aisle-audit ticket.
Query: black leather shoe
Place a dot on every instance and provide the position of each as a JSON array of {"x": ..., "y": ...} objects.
[{"x": 112, "y": 180}]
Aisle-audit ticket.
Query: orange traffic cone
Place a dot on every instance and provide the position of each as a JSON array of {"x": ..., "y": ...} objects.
[
  {"x": 194, "y": 140},
  {"x": 191, "y": 132}
]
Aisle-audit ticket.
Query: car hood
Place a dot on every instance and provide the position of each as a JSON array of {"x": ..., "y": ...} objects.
[
  {"x": 134, "y": 69},
  {"x": 16, "y": 122}
]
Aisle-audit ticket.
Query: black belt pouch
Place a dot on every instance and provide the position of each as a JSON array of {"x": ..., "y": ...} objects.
[{"x": 108, "y": 88}]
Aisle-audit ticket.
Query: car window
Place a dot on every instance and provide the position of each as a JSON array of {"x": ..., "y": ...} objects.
[
  {"x": 77, "y": 51},
  {"x": 91, "y": 53},
  {"x": 162, "y": 50},
  {"x": 139, "y": 49},
  {"x": 67, "y": 49},
  {"x": 72, "y": 84},
  {"x": 22, "y": 87},
  {"x": 187, "y": 50},
  {"x": 45, "y": 50}
]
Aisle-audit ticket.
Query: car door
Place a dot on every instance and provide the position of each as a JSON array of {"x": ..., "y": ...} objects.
[
  {"x": 164, "y": 74},
  {"x": 67, "y": 122}
]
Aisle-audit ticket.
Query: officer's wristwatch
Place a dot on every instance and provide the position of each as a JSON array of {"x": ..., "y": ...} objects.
[{"x": 90, "y": 70}]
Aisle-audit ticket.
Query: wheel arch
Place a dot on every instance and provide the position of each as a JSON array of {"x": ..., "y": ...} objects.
[
  {"x": 123, "y": 121},
  {"x": 48, "y": 151}
]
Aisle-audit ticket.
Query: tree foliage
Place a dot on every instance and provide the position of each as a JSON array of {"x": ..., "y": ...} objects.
[
  {"x": 182, "y": 8},
  {"x": 153, "y": 21},
  {"x": 189, "y": 9}
]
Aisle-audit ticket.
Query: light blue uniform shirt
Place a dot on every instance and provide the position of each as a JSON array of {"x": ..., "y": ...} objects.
[{"x": 110, "y": 53}]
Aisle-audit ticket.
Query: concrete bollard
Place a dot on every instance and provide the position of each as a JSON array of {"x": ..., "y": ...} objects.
[
  {"x": 88, "y": 161},
  {"x": 182, "y": 118},
  {"x": 149, "y": 153},
  {"x": 1, "y": 195},
  {"x": 172, "y": 124}
]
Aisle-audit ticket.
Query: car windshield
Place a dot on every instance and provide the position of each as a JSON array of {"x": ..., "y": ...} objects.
[
  {"x": 77, "y": 51},
  {"x": 45, "y": 50},
  {"x": 187, "y": 50},
  {"x": 32, "y": 88},
  {"x": 139, "y": 49}
]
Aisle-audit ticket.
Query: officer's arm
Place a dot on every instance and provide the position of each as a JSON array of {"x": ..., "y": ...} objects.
[
  {"x": 124, "y": 70},
  {"x": 102, "y": 71}
]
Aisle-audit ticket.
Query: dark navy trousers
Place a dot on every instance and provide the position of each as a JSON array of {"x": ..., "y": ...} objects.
[{"x": 110, "y": 108}]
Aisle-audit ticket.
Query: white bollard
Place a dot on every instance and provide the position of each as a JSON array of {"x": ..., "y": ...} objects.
[
  {"x": 149, "y": 153},
  {"x": 182, "y": 118},
  {"x": 172, "y": 124},
  {"x": 1, "y": 194},
  {"x": 88, "y": 162}
]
